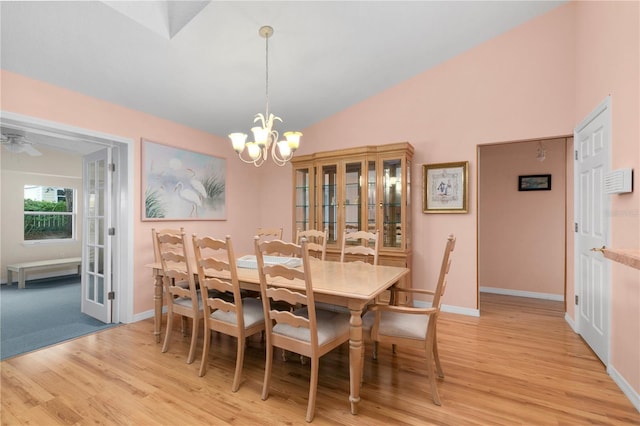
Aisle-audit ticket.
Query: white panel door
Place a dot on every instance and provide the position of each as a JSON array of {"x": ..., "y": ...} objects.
[
  {"x": 592, "y": 206},
  {"x": 96, "y": 243}
]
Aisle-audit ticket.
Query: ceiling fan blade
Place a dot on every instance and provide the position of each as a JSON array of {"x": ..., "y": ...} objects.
[
  {"x": 29, "y": 149},
  {"x": 14, "y": 147}
]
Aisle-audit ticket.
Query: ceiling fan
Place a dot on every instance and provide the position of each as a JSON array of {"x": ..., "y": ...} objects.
[{"x": 17, "y": 143}]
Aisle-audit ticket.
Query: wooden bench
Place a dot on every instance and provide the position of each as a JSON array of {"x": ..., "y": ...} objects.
[{"x": 22, "y": 267}]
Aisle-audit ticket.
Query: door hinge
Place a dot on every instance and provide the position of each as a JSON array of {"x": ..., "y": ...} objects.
[
  {"x": 575, "y": 226},
  {"x": 112, "y": 167},
  {"x": 576, "y": 299},
  {"x": 111, "y": 295},
  {"x": 576, "y": 154},
  {"x": 111, "y": 231}
]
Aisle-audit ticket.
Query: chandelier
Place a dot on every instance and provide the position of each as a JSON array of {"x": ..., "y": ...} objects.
[
  {"x": 265, "y": 136},
  {"x": 541, "y": 153}
]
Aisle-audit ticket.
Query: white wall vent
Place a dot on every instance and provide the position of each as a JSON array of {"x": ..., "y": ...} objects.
[{"x": 618, "y": 181}]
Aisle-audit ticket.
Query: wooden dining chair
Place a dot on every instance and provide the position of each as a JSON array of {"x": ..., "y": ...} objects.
[
  {"x": 411, "y": 326},
  {"x": 357, "y": 247},
  {"x": 238, "y": 317},
  {"x": 305, "y": 331},
  {"x": 179, "y": 286},
  {"x": 316, "y": 241}
]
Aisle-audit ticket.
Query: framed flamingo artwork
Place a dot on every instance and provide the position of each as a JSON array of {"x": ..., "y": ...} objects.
[{"x": 178, "y": 184}]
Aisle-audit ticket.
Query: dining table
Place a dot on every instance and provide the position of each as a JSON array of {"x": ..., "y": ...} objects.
[{"x": 350, "y": 284}]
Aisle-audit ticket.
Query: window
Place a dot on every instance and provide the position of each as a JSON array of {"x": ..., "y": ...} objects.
[{"x": 49, "y": 213}]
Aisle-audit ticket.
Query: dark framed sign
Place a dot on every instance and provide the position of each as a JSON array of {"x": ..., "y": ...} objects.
[{"x": 534, "y": 183}]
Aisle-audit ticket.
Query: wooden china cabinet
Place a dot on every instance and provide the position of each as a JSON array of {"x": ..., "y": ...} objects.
[{"x": 365, "y": 188}]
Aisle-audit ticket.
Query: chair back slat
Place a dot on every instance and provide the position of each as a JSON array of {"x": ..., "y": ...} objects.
[
  {"x": 269, "y": 233},
  {"x": 285, "y": 295},
  {"x": 284, "y": 271},
  {"x": 286, "y": 317},
  {"x": 223, "y": 305}
]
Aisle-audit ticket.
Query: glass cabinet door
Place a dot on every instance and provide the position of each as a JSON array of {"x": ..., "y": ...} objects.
[
  {"x": 328, "y": 201},
  {"x": 304, "y": 191},
  {"x": 353, "y": 181},
  {"x": 392, "y": 232}
]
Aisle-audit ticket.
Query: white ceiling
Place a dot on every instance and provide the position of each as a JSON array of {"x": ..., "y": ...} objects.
[{"x": 203, "y": 63}]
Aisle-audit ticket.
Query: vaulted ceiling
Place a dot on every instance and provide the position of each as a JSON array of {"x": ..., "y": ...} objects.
[{"x": 202, "y": 63}]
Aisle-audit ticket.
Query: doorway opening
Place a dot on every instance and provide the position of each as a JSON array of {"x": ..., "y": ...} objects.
[
  {"x": 523, "y": 234},
  {"x": 57, "y": 137}
]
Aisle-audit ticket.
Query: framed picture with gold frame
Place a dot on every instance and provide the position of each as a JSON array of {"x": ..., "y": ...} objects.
[{"x": 445, "y": 187}]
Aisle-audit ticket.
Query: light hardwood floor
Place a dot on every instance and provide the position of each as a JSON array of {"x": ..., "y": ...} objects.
[{"x": 519, "y": 363}]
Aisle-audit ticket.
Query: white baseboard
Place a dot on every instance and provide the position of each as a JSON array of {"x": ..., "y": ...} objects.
[
  {"x": 459, "y": 310},
  {"x": 147, "y": 314},
  {"x": 449, "y": 308},
  {"x": 571, "y": 322},
  {"x": 519, "y": 293},
  {"x": 626, "y": 388}
]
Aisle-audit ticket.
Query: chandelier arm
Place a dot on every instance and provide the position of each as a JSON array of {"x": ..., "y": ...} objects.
[
  {"x": 258, "y": 161},
  {"x": 277, "y": 158},
  {"x": 249, "y": 161}
]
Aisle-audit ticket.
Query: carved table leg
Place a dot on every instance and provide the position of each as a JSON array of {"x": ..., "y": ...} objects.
[
  {"x": 157, "y": 300},
  {"x": 355, "y": 358}
]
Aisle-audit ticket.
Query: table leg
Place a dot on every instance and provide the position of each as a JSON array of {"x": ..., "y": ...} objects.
[
  {"x": 355, "y": 358},
  {"x": 157, "y": 300},
  {"x": 9, "y": 276}
]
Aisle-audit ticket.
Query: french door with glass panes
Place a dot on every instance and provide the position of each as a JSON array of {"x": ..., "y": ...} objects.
[{"x": 96, "y": 242}]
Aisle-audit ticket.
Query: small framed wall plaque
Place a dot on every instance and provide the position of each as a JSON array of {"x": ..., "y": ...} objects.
[{"x": 534, "y": 183}]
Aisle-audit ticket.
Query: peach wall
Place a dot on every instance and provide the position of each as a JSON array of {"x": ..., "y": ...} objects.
[
  {"x": 517, "y": 86},
  {"x": 522, "y": 233},
  {"x": 608, "y": 62},
  {"x": 22, "y": 95}
]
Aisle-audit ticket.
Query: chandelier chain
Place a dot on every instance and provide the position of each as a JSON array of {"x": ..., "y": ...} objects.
[{"x": 266, "y": 39}]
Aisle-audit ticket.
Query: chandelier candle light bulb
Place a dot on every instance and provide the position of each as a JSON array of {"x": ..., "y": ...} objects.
[{"x": 265, "y": 136}]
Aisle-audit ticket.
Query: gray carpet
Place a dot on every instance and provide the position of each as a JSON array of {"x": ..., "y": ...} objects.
[{"x": 44, "y": 313}]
